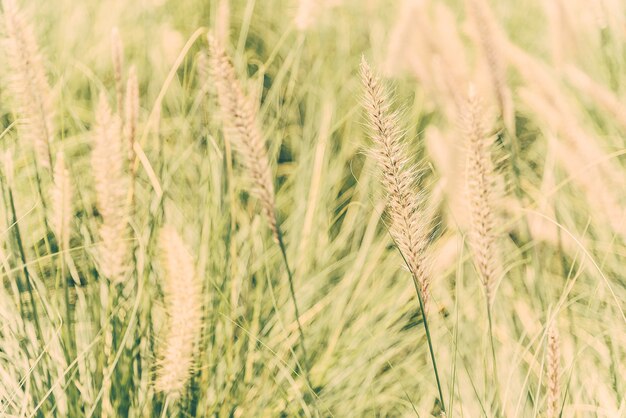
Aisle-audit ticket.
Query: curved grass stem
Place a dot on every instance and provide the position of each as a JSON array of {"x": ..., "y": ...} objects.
[{"x": 283, "y": 250}]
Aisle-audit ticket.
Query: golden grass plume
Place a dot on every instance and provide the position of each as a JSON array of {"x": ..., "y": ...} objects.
[
  {"x": 480, "y": 189},
  {"x": 242, "y": 129},
  {"x": 181, "y": 288},
  {"x": 111, "y": 182},
  {"x": 406, "y": 213}
]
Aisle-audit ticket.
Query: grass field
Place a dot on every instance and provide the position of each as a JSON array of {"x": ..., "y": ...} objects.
[{"x": 318, "y": 208}]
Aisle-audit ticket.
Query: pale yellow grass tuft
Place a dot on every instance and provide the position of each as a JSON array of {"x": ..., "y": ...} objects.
[
  {"x": 28, "y": 84},
  {"x": 406, "y": 214},
  {"x": 181, "y": 288},
  {"x": 111, "y": 180}
]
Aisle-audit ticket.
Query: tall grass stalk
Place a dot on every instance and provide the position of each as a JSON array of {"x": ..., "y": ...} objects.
[
  {"x": 480, "y": 185},
  {"x": 293, "y": 299},
  {"x": 406, "y": 208},
  {"x": 242, "y": 129}
]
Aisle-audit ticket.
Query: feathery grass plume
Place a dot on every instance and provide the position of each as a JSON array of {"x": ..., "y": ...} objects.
[
  {"x": 111, "y": 192},
  {"x": 117, "y": 56},
  {"x": 488, "y": 34},
  {"x": 479, "y": 180},
  {"x": 61, "y": 202},
  {"x": 480, "y": 188},
  {"x": 553, "y": 365},
  {"x": 406, "y": 214},
  {"x": 242, "y": 129},
  {"x": 409, "y": 225},
  {"x": 182, "y": 290},
  {"x": 131, "y": 111},
  {"x": 28, "y": 84}
]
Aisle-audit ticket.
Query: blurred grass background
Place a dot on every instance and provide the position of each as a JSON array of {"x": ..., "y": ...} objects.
[{"x": 561, "y": 220}]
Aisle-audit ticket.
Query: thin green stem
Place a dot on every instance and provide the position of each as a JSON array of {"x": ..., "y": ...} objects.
[
  {"x": 494, "y": 361},
  {"x": 283, "y": 250},
  {"x": 27, "y": 278},
  {"x": 430, "y": 343},
  {"x": 69, "y": 337}
]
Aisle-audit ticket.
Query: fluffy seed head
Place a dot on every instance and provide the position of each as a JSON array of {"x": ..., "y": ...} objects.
[
  {"x": 479, "y": 180},
  {"x": 111, "y": 182},
  {"x": 407, "y": 218},
  {"x": 181, "y": 288},
  {"x": 28, "y": 84},
  {"x": 242, "y": 129}
]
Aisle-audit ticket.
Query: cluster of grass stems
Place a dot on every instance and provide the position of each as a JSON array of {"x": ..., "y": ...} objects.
[{"x": 252, "y": 220}]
